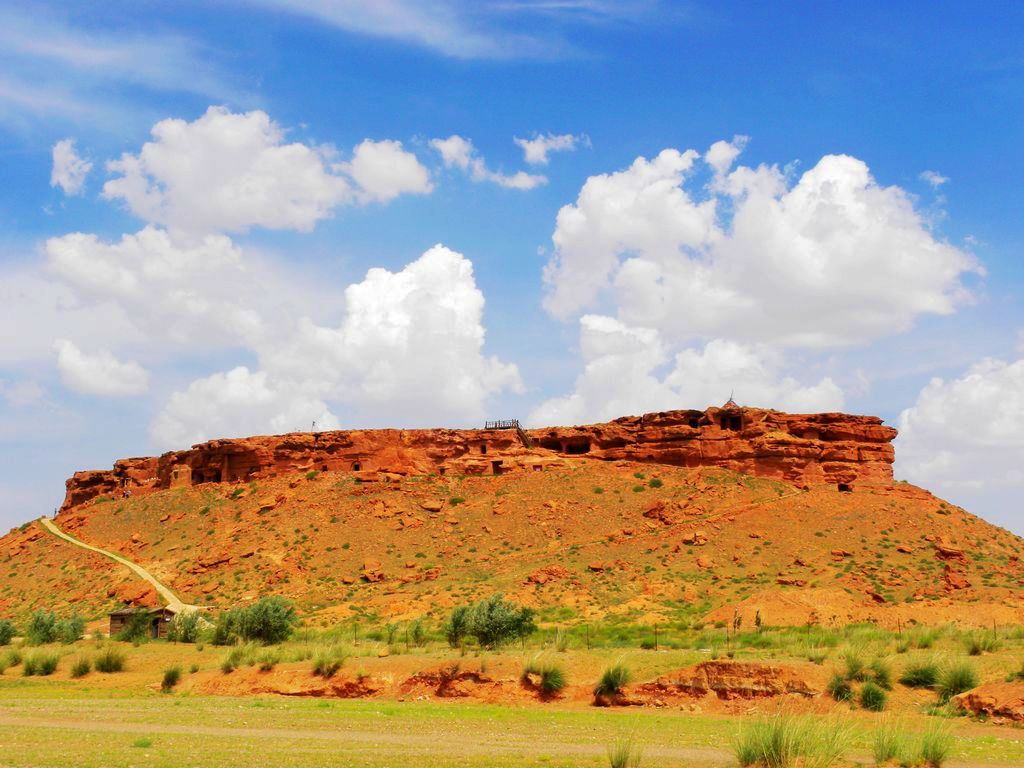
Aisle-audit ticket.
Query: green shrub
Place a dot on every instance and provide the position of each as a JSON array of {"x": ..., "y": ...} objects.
[
  {"x": 194, "y": 668},
  {"x": 655, "y": 483},
  {"x": 225, "y": 631},
  {"x": 13, "y": 658},
  {"x": 136, "y": 628},
  {"x": 142, "y": 743},
  {"x": 327, "y": 663},
  {"x": 612, "y": 681},
  {"x": 109, "y": 660},
  {"x": 458, "y": 626},
  {"x": 172, "y": 676},
  {"x": 184, "y": 627},
  {"x": 936, "y": 743},
  {"x": 267, "y": 660},
  {"x": 40, "y": 663},
  {"x": 7, "y": 631},
  {"x": 920, "y": 675},
  {"x": 839, "y": 689},
  {"x": 872, "y": 697},
  {"x": 881, "y": 673},
  {"x": 312, "y": 474},
  {"x": 81, "y": 667},
  {"x": 551, "y": 678},
  {"x": 978, "y": 643},
  {"x": 227, "y": 666},
  {"x": 493, "y": 622},
  {"x": 41, "y": 628},
  {"x": 456, "y": 500},
  {"x": 855, "y": 668},
  {"x": 786, "y": 740},
  {"x": 624, "y": 753},
  {"x": 955, "y": 679},
  {"x": 268, "y": 620},
  {"x": 70, "y": 630}
]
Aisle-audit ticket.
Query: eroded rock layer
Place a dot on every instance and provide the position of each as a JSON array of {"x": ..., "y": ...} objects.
[{"x": 802, "y": 449}]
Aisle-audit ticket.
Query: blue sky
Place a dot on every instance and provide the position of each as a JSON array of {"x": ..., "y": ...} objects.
[{"x": 220, "y": 218}]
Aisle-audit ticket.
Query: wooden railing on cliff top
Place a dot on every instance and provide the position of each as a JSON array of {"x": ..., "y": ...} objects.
[{"x": 511, "y": 424}]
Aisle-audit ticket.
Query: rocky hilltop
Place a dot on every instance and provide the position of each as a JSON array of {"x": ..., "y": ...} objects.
[{"x": 801, "y": 449}]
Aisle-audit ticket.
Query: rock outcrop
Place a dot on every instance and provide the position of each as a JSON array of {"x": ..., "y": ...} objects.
[{"x": 802, "y": 449}]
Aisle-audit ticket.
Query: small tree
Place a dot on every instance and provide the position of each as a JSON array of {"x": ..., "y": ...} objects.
[
  {"x": 7, "y": 631},
  {"x": 184, "y": 627},
  {"x": 458, "y": 625},
  {"x": 496, "y": 621},
  {"x": 71, "y": 629},
  {"x": 42, "y": 628},
  {"x": 225, "y": 629},
  {"x": 268, "y": 620}
]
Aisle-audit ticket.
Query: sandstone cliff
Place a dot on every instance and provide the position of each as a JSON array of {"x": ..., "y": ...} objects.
[{"x": 802, "y": 449}]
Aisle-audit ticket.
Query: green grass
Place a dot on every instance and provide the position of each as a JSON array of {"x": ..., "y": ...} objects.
[
  {"x": 81, "y": 667},
  {"x": 787, "y": 740},
  {"x": 172, "y": 676},
  {"x": 873, "y": 697},
  {"x": 624, "y": 753},
  {"x": 612, "y": 680},
  {"x": 41, "y": 663},
  {"x": 110, "y": 660},
  {"x": 957, "y": 678},
  {"x": 924, "y": 674},
  {"x": 551, "y": 678}
]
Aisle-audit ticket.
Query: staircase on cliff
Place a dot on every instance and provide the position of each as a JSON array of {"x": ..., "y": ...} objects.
[{"x": 511, "y": 424}]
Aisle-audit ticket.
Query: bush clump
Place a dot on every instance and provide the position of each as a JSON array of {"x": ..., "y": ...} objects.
[
  {"x": 109, "y": 660},
  {"x": 81, "y": 667},
  {"x": 7, "y": 631},
  {"x": 936, "y": 744},
  {"x": 612, "y": 681},
  {"x": 978, "y": 643},
  {"x": 873, "y": 697},
  {"x": 172, "y": 676},
  {"x": 40, "y": 663},
  {"x": 41, "y": 628},
  {"x": 786, "y": 740},
  {"x": 493, "y": 622},
  {"x": 551, "y": 678},
  {"x": 327, "y": 663},
  {"x": 839, "y": 689},
  {"x": 956, "y": 679},
  {"x": 624, "y": 753},
  {"x": 920, "y": 675},
  {"x": 269, "y": 620},
  {"x": 184, "y": 627},
  {"x": 136, "y": 627}
]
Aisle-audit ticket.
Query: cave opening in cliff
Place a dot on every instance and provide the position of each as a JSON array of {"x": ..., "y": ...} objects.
[
  {"x": 845, "y": 488},
  {"x": 551, "y": 444},
  {"x": 577, "y": 447},
  {"x": 496, "y": 468},
  {"x": 694, "y": 422},
  {"x": 483, "y": 448},
  {"x": 197, "y": 477},
  {"x": 356, "y": 466},
  {"x": 732, "y": 421}
]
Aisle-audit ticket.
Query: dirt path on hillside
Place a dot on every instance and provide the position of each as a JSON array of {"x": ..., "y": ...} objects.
[{"x": 173, "y": 601}]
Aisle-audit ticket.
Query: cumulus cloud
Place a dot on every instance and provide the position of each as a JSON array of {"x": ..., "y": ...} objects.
[
  {"x": 629, "y": 370},
  {"x": 409, "y": 351},
  {"x": 752, "y": 256},
  {"x": 197, "y": 294},
  {"x": 100, "y": 373},
  {"x": 458, "y": 152},
  {"x": 966, "y": 435},
  {"x": 69, "y": 170},
  {"x": 537, "y": 149},
  {"x": 226, "y": 172},
  {"x": 237, "y": 403},
  {"x": 383, "y": 170}
]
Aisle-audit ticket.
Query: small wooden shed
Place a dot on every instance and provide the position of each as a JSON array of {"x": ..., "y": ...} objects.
[{"x": 158, "y": 619}]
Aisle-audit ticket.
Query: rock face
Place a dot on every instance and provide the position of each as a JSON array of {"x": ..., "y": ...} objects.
[
  {"x": 1002, "y": 701},
  {"x": 803, "y": 449}
]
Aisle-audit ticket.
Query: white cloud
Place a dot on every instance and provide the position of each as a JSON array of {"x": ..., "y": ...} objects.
[
  {"x": 69, "y": 170},
  {"x": 457, "y": 152},
  {"x": 833, "y": 259},
  {"x": 238, "y": 403},
  {"x": 99, "y": 374},
  {"x": 966, "y": 433},
  {"x": 408, "y": 352},
  {"x": 536, "y": 150},
  {"x": 933, "y": 178},
  {"x": 623, "y": 375},
  {"x": 722, "y": 154},
  {"x": 383, "y": 171},
  {"x": 226, "y": 172},
  {"x": 195, "y": 294}
]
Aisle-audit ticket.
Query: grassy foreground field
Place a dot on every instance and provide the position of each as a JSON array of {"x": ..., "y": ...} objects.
[
  {"x": 51, "y": 725},
  {"x": 123, "y": 719}
]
